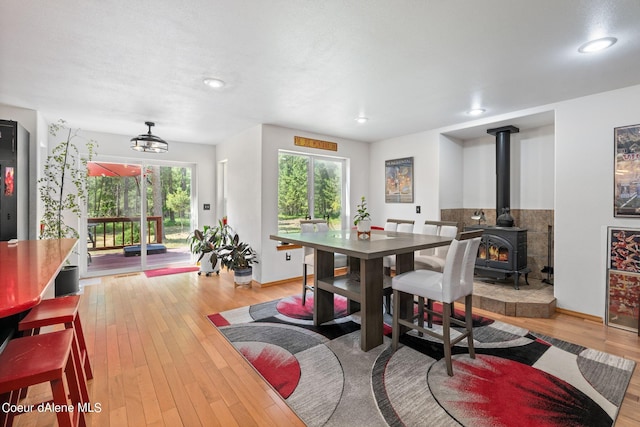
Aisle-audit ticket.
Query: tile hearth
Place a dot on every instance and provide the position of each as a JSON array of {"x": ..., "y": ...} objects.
[{"x": 533, "y": 300}]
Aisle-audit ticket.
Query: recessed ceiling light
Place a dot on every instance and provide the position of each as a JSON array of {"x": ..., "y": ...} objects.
[
  {"x": 362, "y": 119},
  {"x": 475, "y": 111},
  {"x": 597, "y": 45},
  {"x": 214, "y": 83}
]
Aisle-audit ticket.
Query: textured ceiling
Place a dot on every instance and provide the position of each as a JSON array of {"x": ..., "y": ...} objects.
[{"x": 408, "y": 65}]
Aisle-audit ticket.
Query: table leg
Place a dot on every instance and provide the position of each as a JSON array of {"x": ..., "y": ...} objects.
[
  {"x": 404, "y": 263},
  {"x": 371, "y": 333},
  {"x": 353, "y": 270},
  {"x": 322, "y": 299}
]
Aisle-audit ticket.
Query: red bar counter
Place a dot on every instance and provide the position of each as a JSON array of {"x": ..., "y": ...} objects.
[{"x": 27, "y": 268}]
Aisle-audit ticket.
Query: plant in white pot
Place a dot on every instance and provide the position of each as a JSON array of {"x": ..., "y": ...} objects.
[
  {"x": 362, "y": 220},
  {"x": 63, "y": 193},
  {"x": 205, "y": 243},
  {"x": 238, "y": 257}
]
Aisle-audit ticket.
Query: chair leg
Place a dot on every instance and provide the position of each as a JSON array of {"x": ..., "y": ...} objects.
[
  {"x": 304, "y": 284},
  {"x": 429, "y": 313},
  {"x": 421, "y": 315},
  {"x": 395, "y": 326},
  {"x": 469, "y": 324},
  {"x": 446, "y": 336}
]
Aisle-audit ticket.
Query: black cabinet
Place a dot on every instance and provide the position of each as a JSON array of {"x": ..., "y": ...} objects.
[{"x": 14, "y": 177}]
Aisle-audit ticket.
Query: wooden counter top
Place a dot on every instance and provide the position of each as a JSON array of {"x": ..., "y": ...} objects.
[{"x": 26, "y": 269}]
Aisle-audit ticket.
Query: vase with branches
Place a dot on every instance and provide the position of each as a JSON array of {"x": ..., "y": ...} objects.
[
  {"x": 362, "y": 220},
  {"x": 63, "y": 193}
]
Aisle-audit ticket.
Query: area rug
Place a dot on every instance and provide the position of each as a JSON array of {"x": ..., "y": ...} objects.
[
  {"x": 170, "y": 270},
  {"x": 518, "y": 378}
]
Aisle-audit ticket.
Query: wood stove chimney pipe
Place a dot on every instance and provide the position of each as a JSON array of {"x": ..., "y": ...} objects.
[{"x": 503, "y": 166}]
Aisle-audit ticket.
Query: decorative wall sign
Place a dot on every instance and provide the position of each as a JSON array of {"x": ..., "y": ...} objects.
[
  {"x": 627, "y": 171},
  {"x": 315, "y": 143},
  {"x": 623, "y": 278},
  {"x": 398, "y": 183}
]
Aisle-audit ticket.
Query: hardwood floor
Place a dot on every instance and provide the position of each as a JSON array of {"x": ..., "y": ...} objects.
[{"x": 158, "y": 361}]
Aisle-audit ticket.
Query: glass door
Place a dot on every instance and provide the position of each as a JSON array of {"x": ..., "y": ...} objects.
[
  {"x": 115, "y": 236},
  {"x": 169, "y": 213},
  {"x": 129, "y": 232}
]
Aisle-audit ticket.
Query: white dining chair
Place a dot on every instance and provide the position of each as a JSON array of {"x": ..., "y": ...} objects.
[
  {"x": 455, "y": 282},
  {"x": 401, "y": 226},
  {"x": 434, "y": 259}
]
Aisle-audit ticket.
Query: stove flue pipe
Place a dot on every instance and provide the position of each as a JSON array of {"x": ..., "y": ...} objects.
[{"x": 503, "y": 166}]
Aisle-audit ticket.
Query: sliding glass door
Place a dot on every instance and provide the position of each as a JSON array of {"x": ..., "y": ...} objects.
[{"x": 138, "y": 217}]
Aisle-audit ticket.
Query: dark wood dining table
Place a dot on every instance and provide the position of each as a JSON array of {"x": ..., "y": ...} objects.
[
  {"x": 365, "y": 281},
  {"x": 27, "y": 269}
]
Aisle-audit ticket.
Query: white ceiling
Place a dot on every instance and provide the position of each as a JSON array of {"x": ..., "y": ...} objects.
[{"x": 408, "y": 65}]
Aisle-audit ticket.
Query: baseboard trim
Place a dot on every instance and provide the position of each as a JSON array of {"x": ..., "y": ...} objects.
[{"x": 579, "y": 315}]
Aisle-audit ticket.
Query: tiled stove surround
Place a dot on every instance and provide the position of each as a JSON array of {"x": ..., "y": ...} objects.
[{"x": 536, "y": 221}]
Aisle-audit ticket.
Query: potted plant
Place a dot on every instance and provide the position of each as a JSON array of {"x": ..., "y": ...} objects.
[
  {"x": 206, "y": 242},
  {"x": 362, "y": 220},
  {"x": 63, "y": 192},
  {"x": 238, "y": 257}
]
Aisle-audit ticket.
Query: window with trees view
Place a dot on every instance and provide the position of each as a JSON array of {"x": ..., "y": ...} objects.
[{"x": 309, "y": 187}]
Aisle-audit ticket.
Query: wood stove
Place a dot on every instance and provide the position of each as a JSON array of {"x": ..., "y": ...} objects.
[
  {"x": 503, "y": 248},
  {"x": 502, "y": 253}
]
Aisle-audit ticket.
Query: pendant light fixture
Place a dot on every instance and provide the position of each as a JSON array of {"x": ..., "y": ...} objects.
[{"x": 149, "y": 143}]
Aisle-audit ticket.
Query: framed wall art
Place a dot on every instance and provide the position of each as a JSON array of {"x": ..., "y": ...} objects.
[
  {"x": 627, "y": 171},
  {"x": 623, "y": 278},
  {"x": 398, "y": 183}
]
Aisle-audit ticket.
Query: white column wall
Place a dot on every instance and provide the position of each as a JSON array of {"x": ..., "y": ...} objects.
[{"x": 242, "y": 153}]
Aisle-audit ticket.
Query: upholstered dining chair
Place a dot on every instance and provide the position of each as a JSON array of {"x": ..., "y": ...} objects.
[
  {"x": 308, "y": 260},
  {"x": 401, "y": 226},
  {"x": 434, "y": 259},
  {"x": 454, "y": 283}
]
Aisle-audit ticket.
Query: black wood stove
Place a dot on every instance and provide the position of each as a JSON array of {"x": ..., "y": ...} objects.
[
  {"x": 502, "y": 253},
  {"x": 503, "y": 248}
]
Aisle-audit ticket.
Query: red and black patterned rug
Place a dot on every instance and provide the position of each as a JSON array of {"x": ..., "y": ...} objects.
[{"x": 519, "y": 378}]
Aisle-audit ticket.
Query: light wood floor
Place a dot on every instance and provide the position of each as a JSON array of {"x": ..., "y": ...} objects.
[{"x": 158, "y": 361}]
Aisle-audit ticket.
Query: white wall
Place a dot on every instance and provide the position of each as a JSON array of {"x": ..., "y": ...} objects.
[
  {"x": 274, "y": 267},
  {"x": 451, "y": 183},
  {"x": 425, "y": 150},
  {"x": 584, "y": 155},
  {"x": 532, "y": 170}
]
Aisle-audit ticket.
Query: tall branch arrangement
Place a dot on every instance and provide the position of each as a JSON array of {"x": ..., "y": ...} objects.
[{"x": 63, "y": 188}]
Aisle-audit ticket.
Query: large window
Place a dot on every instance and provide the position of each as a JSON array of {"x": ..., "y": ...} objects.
[{"x": 309, "y": 187}]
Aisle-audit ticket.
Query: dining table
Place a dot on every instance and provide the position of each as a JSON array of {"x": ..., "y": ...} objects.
[
  {"x": 364, "y": 282},
  {"x": 28, "y": 269}
]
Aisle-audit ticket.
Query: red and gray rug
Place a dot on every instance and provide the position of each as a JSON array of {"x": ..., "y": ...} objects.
[{"x": 518, "y": 378}]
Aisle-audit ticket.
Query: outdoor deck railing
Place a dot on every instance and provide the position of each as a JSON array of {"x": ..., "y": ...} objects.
[{"x": 118, "y": 232}]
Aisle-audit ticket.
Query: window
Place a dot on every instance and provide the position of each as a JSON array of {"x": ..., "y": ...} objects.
[{"x": 309, "y": 187}]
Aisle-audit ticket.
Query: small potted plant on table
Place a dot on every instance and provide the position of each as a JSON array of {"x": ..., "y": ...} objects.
[{"x": 362, "y": 220}]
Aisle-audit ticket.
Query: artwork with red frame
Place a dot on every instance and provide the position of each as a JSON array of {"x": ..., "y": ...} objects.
[{"x": 623, "y": 278}]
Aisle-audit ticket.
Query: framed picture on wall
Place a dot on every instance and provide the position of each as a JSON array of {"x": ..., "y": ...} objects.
[
  {"x": 398, "y": 183},
  {"x": 627, "y": 171},
  {"x": 623, "y": 278}
]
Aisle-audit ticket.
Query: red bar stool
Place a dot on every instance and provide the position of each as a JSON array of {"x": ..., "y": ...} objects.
[
  {"x": 56, "y": 311},
  {"x": 43, "y": 358}
]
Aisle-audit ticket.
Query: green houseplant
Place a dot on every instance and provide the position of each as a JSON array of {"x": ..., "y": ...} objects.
[
  {"x": 362, "y": 220},
  {"x": 63, "y": 193},
  {"x": 238, "y": 257},
  {"x": 205, "y": 244}
]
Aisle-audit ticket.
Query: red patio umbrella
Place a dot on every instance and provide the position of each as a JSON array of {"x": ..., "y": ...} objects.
[{"x": 112, "y": 169}]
